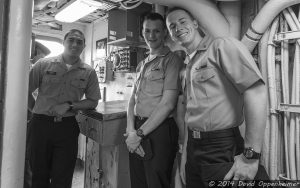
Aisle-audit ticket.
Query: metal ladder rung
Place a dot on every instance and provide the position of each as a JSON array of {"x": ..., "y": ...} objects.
[
  {"x": 289, "y": 108},
  {"x": 287, "y": 35}
]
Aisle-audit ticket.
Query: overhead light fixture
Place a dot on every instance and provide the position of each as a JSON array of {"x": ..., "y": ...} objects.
[{"x": 77, "y": 9}]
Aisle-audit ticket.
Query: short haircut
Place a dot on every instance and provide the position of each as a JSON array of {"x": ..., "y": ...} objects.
[
  {"x": 170, "y": 10},
  {"x": 155, "y": 16},
  {"x": 179, "y": 8},
  {"x": 74, "y": 31}
]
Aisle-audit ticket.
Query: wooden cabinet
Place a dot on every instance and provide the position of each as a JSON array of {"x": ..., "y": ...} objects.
[
  {"x": 104, "y": 132},
  {"x": 106, "y": 162}
]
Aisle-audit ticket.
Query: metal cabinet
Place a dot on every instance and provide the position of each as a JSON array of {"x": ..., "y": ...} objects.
[
  {"x": 106, "y": 163},
  {"x": 124, "y": 26}
]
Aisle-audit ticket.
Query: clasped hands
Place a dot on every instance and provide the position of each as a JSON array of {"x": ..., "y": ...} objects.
[{"x": 133, "y": 142}]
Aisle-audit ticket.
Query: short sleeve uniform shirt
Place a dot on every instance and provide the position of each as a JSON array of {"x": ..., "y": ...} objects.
[
  {"x": 57, "y": 84},
  {"x": 154, "y": 76},
  {"x": 217, "y": 76}
]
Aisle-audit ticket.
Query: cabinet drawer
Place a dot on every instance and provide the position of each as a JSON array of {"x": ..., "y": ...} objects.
[
  {"x": 90, "y": 127},
  {"x": 106, "y": 133},
  {"x": 82, "y": 122}
]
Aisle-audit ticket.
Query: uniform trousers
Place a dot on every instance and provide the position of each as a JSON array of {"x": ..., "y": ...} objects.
[
  {"x": 211, "y": 156},
  {"x": 156, "y": 172},
  {"x": 53, "y": 151},
  {"x": 27, "y": 168}
]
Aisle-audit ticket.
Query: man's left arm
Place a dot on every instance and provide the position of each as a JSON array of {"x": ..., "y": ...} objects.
[
  {"x": 255, "y": 101},
  {"x": 61, "y": 109},
  {"x": 92, "y": 95},
  {"x": 85, "y": 104},
  {"x": 160, "y": 113}
]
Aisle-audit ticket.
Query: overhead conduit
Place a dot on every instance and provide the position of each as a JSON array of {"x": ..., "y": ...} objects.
[
  {"x": 263, "y": 19},
  {"x": 272, "y": 97},
  {"x": 289, "y": 127},
  {"x": 285, "y": 92}
]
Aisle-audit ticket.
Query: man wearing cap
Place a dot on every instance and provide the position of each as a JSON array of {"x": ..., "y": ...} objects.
[
  {"x": 224, "y": 88},
  {"x": 61, "y": 81}
]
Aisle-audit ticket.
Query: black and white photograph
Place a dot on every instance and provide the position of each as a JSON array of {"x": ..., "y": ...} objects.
[{"x": 149, "y": 93}]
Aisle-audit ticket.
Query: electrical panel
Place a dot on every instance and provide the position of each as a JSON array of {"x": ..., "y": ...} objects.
[{"x": 124, "y": 59}]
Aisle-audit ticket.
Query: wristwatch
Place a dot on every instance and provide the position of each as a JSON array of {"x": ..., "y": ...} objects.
[
  {"x": 71, "y": 106},
  {"x": 140, "y": 133},
  {"x": 249, "y": 153}
]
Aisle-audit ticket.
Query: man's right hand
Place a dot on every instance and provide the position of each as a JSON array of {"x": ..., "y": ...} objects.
[
  {"x": 182, "y": 167},
  {"x": 140, "y": 151},
  {"x": 59, "y": 110},
  {"x": 133, "y": 141}
]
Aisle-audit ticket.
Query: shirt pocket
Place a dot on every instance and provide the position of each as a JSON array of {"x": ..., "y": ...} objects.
[
  {"x": 79, "y": 83},
  {"x": 50, "y": 83},
  {"x": 202, "y": 78},
  {"x": 155, "y": 82},
  {"x": 204, "y": 74}
]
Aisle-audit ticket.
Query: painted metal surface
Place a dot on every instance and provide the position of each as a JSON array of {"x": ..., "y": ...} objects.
[{"x": 15, "y": 104}]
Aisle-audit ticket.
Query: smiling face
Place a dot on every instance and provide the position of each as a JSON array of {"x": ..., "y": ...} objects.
[
  {"x": 74, "y": 44},
  {"x": 182, "y": 27},
  {"x": 154, "y": 34}
]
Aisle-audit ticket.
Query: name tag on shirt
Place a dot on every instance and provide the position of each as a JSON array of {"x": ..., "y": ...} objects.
[
  {"x": 51, "y": 72},
  {"x": 155, "y": 69}
]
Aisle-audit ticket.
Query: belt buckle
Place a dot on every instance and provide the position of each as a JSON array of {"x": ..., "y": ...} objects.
[
  {"x": 57, "y": 119},
  {"x": 196, "y": 134}
]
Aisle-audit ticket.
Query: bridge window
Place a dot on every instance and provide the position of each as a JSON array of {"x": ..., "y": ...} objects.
[{"x": 55, "y": 48}]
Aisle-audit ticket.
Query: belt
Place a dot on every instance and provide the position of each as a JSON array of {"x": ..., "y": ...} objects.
[
  {"x": 195, "y": 134},
  {"x": 52, "y": 118},
  {"x": 145, "y": 118}
]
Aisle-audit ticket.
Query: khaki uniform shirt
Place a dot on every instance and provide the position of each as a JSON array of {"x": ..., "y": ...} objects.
[
  {"x": 56, "y": 84},
  {"x": 217, "y": 76},
  {"x": 155, "y": 76}
]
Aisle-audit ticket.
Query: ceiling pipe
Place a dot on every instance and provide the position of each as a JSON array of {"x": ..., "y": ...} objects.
[
  {"x": 232, "y": 11},
  {"x": 263, "y": 19}
]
